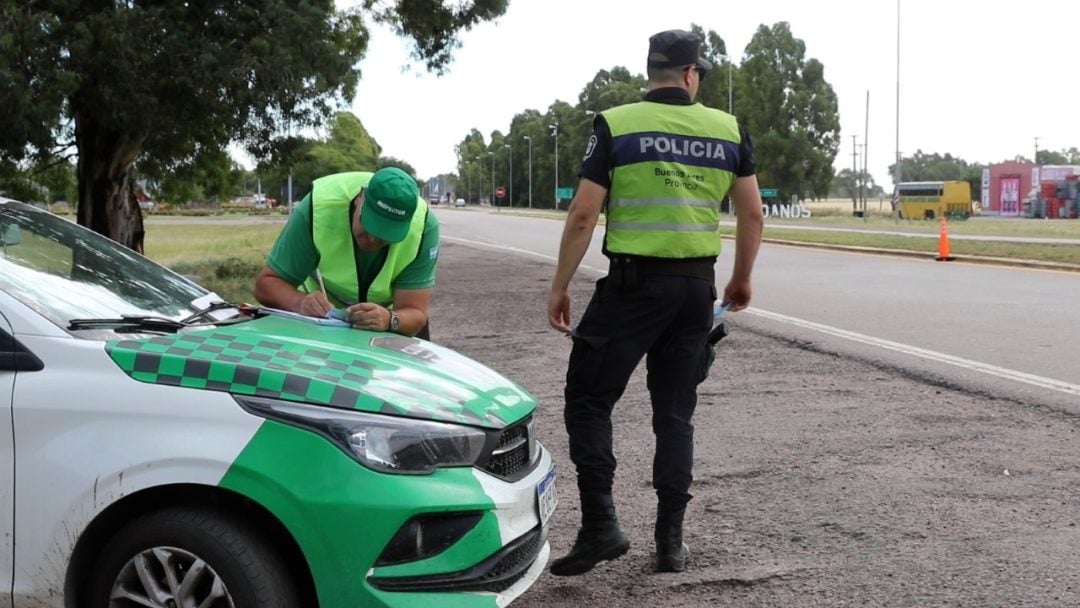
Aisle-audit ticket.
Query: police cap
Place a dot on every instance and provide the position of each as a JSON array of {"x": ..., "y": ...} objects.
[{"x": 676, "y": 48}]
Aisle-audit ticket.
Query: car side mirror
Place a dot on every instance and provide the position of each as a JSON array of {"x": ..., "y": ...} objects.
[{"x": 10, "y": 234}]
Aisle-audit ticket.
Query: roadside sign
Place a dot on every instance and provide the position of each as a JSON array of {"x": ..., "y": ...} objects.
[
  {"x": 564, "y": 194},
  {"x": 500, "y": 192},
  {"x": 769, "y": 193}
]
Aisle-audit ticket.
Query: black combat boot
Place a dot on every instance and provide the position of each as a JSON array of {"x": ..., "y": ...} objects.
[
  {"x": 599, "y": 538},
  {"x": 671, "y": 551}
]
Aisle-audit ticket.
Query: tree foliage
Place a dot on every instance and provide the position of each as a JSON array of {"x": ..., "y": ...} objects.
[
  {"x": 347, "y": 147},
  {"x": 213, "y": 176},
  {"x": 791, "y": 112},
  {"x": 783, "y": 98},
  {"x": 713, "y": 91},
  {"x": 846, "y": 185},
  {"x": 179, "y": 81},
  {"x": 923, "y": 167},
  {"x": 1062, "y": 157}
]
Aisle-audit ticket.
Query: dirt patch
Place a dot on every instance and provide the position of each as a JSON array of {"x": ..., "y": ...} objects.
[{"x": 820, "y": 480}]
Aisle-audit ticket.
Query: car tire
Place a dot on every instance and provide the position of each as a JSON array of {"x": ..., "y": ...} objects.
[{"x": 182, "y": 557}]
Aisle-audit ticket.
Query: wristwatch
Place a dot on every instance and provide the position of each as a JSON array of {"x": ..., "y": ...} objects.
[{"x": 394, "y": 322}]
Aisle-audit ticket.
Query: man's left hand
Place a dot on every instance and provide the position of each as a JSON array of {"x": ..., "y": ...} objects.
[{"x": 371, "y": 317}]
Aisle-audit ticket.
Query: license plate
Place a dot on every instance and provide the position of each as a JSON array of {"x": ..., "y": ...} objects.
[{"x": 546, "y": 496}]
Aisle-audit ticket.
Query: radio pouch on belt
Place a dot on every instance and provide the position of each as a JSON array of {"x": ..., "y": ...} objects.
[
  {"x": 708, "y": 353},
  {"x": 625, "y": 273}
]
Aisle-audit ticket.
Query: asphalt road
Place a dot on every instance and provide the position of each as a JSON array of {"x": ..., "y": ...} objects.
[
  {"x": 829, "y": 472},
  {"x": 1007, "y": 328}
]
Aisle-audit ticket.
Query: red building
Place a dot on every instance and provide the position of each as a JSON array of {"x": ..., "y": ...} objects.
[
  {"x": 1005, "y": 186},
  {"x": 1016, "y": 189}
]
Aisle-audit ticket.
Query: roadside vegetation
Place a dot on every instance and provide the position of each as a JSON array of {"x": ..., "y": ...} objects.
[{"x": 223, "y": 258}]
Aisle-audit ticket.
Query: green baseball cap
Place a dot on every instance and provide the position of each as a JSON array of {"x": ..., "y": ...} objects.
[{"x": 390, "y": 201}]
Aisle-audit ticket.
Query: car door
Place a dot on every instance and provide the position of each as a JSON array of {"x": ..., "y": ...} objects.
[{"x": 7, "y": 463}]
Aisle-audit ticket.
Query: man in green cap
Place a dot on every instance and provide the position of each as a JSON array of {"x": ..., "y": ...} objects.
[{"x": 362, "y": 242}]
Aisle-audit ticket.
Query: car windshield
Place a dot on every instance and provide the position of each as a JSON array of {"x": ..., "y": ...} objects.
[{"x": 65, "y": 271}]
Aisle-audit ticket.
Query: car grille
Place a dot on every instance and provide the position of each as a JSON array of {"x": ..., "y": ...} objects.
[{"x": 511, "y": 458}]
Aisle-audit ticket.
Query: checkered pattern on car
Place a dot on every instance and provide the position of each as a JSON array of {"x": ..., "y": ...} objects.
[{"x": 250, "y": 365}]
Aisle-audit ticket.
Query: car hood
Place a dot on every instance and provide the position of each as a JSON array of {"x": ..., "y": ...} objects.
[{"x": 337, "y": 367}]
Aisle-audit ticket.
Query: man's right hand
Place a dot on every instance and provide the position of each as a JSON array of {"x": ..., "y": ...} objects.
[
  {"x": 559, "y": 310},
  {"x": 315, "y": 305}
]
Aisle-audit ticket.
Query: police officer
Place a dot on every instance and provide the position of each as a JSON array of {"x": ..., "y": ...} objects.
[
  {"x": 659, "y": 169},
  {"x": 361, "y": 241}
]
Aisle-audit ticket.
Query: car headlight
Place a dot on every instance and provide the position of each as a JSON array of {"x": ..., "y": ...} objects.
[{"x": 383, "y": 443}]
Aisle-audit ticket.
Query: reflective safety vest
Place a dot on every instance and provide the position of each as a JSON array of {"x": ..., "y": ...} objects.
[
  {"x": 672, "y": 165},
  {"x": 331, "y": 228}
]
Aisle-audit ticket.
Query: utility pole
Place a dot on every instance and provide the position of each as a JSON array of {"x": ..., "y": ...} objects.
[
  {"x": 1036, "y": 160},
  {"x": 529, "y": 139},
  {"x": 555, "y": 130},
  {"x": 866, "y": 140},
  {"x": 854, "y": 175},
  {"x": 899, "y": 175},
  {"x": 510, "y": 180},
  {"x": 479, "y": 181}
]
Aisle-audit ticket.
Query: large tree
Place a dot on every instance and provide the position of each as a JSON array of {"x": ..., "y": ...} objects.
[
  {"x": 791, "y": 112},
  {"x": 714, "y": 89},
  {"x": 923, "y": 167},
  {"x": 176, "y": 80}
]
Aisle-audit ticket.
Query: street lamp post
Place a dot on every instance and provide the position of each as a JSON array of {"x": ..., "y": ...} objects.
[
  {"x": 476, "y": 159},
  {"x": 730, "y": 96},
  {"x": 510, "y": 180},
  {"x": 555, "y": 131},
  {"x": 529, "y": 139},
  {"x": 492, "y": 155}
]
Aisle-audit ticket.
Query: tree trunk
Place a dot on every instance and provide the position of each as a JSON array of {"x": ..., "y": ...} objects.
[{"x": 107, "y": 203}]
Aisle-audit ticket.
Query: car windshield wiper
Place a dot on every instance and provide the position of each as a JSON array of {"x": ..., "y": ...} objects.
[
  {"x": 199, "y": 318},
  {"x": 125, "y": 321},
  {"x": 213, "y": 319}
]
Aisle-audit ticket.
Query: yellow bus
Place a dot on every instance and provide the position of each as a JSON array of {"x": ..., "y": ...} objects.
[{"x": 931, "y": 200}]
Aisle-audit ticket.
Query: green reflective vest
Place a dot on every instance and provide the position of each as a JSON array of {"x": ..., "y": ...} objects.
[
  {"x": 672, "y": 165},
  {"x": 331, "y": 228}
]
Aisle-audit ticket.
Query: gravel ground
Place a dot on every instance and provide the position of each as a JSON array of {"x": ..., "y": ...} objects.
[{"x": 820, "y": 479}]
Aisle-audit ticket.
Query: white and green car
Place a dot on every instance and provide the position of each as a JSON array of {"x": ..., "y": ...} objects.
[{"x": 161, "y": 449}]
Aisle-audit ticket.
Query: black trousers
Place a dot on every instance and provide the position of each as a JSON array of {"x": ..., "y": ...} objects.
[{"x": 665, "y": 319}]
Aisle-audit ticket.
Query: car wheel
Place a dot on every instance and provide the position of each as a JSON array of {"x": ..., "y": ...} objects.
[{"x": 190, "y": 558}]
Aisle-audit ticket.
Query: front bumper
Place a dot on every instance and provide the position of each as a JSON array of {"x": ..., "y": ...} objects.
[{"x": 343, "y": 516}]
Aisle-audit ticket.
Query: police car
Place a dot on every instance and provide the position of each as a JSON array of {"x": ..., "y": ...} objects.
[{"x": 161, "y": 448}]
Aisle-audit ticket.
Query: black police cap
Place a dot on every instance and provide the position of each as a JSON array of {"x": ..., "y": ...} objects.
[{"x": 676, "y": 48}]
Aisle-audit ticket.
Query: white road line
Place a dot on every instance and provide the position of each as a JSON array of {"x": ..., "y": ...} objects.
[
  {"x": 976, "y": 366},
  {"x": 514, "y": 250},
  {"x": 985, "y": 368}
]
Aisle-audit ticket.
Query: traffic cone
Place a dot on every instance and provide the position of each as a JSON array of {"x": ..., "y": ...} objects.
[{"x": 943, "y": 242}]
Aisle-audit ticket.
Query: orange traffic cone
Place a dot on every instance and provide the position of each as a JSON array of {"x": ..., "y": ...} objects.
[{"x": 943, "y": 242}]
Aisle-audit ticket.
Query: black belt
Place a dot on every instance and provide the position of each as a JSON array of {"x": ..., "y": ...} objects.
[{"x": 701, "y": 268}]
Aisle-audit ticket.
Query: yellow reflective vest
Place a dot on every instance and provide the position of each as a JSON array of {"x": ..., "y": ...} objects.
[
  {"x": 332, "y": 233},
  {"x": 672, "y": 165}
]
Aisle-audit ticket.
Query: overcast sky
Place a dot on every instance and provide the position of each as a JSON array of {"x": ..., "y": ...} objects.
[{"x": 980, "y": 81}]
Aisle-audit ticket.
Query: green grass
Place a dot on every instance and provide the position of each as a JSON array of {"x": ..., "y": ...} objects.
[
  {"x": 1067, "y": 254},
  {"x": 224, "y": 259},
  {"x": 990, "y": 226}
]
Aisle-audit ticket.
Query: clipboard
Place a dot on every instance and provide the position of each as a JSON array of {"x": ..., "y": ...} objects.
[{"x": 330, "y": 321}]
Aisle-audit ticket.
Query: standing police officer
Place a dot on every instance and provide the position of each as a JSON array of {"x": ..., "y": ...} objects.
[{"x": 662, "y": 165}]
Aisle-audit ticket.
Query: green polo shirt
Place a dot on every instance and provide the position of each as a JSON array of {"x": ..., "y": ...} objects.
[{"x": 295, "y": 258}]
